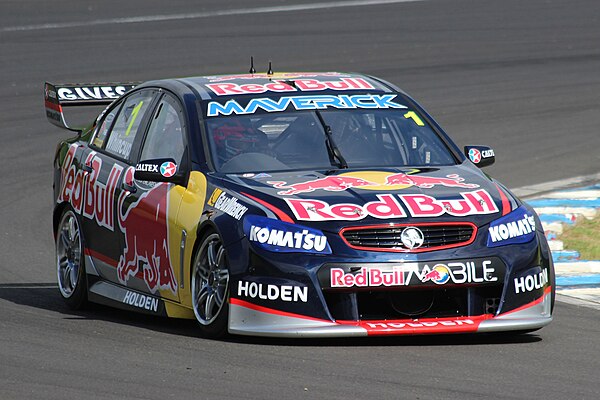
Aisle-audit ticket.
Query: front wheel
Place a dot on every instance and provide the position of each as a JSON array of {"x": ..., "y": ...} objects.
[
  {"x": 70, "y": 266},
  {"x": 210, "y": 286}
]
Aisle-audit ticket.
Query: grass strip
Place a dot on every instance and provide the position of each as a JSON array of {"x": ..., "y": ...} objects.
[{"x": 584, "y": 237}]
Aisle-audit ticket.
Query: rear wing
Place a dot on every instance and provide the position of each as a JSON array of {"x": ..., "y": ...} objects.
[{"x": 57, "y": 96}]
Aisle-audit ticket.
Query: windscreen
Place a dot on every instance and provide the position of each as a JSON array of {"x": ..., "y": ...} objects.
[{"x": 297, "y": 140}]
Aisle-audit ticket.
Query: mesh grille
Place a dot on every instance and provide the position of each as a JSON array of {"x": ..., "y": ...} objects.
[{"x": 388, "y": 238}]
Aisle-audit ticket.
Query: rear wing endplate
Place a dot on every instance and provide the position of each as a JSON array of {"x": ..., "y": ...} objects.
[{"x": 57, "y": 96}]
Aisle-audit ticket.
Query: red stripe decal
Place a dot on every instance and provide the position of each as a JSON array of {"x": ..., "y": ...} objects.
[
  {"x": 533, "y": 303},
  {"x": 107, "y": 260},
  {"x": 255, "y": 307},
  {"x": 101, "y": 257},
  {"x": 53, "y": 106},
  {"x": 505, "y": 202},
  {"x": 282, "y": 216}
]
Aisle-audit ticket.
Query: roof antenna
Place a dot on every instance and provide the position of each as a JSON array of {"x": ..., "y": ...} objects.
[
  {"x": 252, "y": 70},
  {"x": 270, "y": 71}
]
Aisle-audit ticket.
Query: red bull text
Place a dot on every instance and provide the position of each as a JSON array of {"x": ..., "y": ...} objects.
[
  {"x": 387, "y": 207},
  {"x": 230, "y": 89},
  {"x": 411, "y": 274},
  {"x": 88, "y": 196}
]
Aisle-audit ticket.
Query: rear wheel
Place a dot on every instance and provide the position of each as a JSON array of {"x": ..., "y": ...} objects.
[
  {"x": 69, "y": 261},
  {"x": 210, "y": 286}
]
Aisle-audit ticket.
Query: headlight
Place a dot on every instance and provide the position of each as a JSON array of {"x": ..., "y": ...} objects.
[
  {"x": 282, "y": 237},
  {"x": 516, "y": 227}
]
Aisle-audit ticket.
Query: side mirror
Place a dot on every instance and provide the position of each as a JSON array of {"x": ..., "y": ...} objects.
[
  {"x": 481, "y": 156},
  {"x": 159, "y": 170}
]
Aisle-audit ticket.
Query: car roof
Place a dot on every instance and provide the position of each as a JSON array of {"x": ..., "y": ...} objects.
[{"x": 220, "y": 86}]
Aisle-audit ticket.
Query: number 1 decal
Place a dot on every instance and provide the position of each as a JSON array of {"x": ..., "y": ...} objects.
[
  {"x": 133, "y": 117},
  {"x": 415, "y": 117}
]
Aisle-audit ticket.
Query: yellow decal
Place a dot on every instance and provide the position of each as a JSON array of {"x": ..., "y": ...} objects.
[
  {"x": 214, "y": 196},
  {"x": 413, "y": 115},
  {"x": 133, "y": 116},
  {"x": 188, "y": 216}
]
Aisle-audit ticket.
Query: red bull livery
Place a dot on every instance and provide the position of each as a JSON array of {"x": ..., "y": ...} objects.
[{"x": 292, "y": 205}]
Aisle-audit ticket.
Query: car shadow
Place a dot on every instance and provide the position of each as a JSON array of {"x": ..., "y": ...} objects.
[
  {"x": 45, "y": 296},
  {"x": 404, "y": 341}
]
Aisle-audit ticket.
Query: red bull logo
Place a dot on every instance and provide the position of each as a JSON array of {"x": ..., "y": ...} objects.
[
  {"x": 145, "y": 227},
  {"x": 438, "y": 275},
  {"x": 336, "y": 183},
  {"x": 375, "y": 180},
  {"x": 411, "y": 274},
  {"x": 427, "y": 182},
  {"x": 388, "y": 207}
]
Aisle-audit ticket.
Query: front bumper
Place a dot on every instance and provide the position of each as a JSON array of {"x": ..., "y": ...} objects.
[{"x": 250, "y": 319}]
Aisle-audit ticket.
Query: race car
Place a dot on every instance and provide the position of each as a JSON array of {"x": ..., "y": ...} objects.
[{"x": 291, "y": 205}]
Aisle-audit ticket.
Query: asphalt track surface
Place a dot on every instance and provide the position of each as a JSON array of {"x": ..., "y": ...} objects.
[{"x": 520, "y": 76}]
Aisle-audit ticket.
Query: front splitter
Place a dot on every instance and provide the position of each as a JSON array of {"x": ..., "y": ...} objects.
[{"x": 250, "y": 319}]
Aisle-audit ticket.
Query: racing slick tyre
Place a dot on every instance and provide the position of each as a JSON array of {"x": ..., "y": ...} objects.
[
  {"x": 70, "y": 265},
  {"x": 210, "y": 286}
]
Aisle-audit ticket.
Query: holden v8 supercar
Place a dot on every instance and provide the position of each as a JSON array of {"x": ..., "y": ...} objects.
[{"x": 291, "y": 204}]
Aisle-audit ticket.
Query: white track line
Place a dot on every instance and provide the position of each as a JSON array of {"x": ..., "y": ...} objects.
[{"x": 208, "y": 14}]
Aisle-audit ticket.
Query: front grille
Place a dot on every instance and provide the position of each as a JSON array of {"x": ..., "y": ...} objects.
[{"x": 388, "y": 237}]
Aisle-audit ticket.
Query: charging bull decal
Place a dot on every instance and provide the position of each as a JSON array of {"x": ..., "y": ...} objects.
[
  {"x": 145, "y": 227},
  {"x": 338, "y": 183}
]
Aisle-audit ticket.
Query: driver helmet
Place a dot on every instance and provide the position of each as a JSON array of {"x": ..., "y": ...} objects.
[{"x": 233, "y": 138}]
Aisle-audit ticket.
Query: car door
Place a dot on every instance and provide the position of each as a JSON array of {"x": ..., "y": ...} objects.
[
  {"x": 150, "y": 256},
  {"x": 114, "y": 144}
]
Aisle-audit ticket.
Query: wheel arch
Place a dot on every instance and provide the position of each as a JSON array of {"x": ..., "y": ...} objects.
[{"x": 57, "y": 213}]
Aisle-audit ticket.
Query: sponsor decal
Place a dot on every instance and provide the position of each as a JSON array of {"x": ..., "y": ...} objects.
[
  {"x": 213, "y": 197},
  {"x": 168, "y": 169},
  {"x": 91, "y": 92},
  {"x": 516, "y": 227},
  {"x": 420, "y": 324},
  {"x": 146, "y": 167},
  {"x": 141, "y": 301},
  {"x": 145, "y": 228},
  {"x": 375, "y": 180},
  {"x": 475, "y": 155},
  {"x": 77, "y": 185},
  {"x": 120, "y": 146},
  {"x": 531, "y": 282},
  {"x": 49, "y": 93},
  {"x": 289, "y": 293},
  {"x": 387, "y": 206},
  {"x": 410, "y": 274},
  {"x": 227, "y": 204},
  {"x": 278, "y": 236},
  {"x": 316, "y": 102},
  {"x": 279, "y": 86}
]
